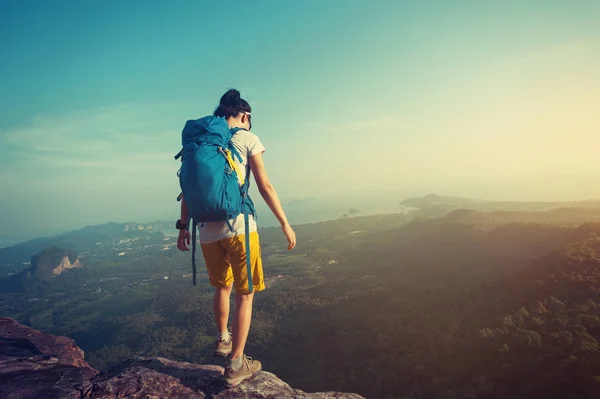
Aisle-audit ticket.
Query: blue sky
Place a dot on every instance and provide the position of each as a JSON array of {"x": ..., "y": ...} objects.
[{"x": 351, "y": 98}]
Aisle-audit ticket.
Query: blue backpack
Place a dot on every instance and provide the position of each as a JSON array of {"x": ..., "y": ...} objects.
[{"x": 209, "y": 179}]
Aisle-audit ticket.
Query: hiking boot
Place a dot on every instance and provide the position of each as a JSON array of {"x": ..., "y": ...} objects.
[
  {"x": 223, "y": 348},
  {"x": 249, "y": 368}
]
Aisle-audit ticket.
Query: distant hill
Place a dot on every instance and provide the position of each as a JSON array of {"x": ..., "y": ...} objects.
[
  {"x": 45, "y": 265},
  {"x": 298, "y": 211},
  {"x": 434, "y": 205},
  {"x": 83, "y": 240},
  {"x": 310, "y": 210},
  {"x": 351, "y": 213}
]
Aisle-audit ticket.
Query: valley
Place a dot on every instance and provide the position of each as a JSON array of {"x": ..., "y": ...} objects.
[{"x": 473, "y": 303}]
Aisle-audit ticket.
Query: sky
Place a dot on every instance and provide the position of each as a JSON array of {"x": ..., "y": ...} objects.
[{"x": 352, "y": 99}]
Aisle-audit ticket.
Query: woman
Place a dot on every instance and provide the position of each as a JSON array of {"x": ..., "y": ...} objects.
[{"x": 224, "y": 248}]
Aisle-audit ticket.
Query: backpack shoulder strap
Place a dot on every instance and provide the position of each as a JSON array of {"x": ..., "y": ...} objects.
[
  {"x": 194, "y": 227},
  {"x": 235, "y": 152},
  {"x": 231, "y": 146}
]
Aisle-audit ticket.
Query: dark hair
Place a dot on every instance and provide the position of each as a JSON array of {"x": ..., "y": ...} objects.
[{"x": 231, "y": 104}]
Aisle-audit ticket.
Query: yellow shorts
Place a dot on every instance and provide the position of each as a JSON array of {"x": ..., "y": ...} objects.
[{"x": 226, "y": 263}]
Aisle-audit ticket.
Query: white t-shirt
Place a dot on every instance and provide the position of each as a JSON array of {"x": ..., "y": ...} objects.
[{"x": 247, "y": 144}]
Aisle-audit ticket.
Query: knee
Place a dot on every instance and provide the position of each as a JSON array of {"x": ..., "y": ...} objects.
[
  {"x": 244, "y": 296},
  {"x": 226, "y": 290}
]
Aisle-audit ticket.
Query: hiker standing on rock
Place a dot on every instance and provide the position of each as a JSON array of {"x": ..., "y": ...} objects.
[{"x": 219, "y": 155}]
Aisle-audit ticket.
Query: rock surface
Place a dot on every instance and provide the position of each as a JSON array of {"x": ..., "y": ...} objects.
[
  {"x": 65, "y": 264},
  {"x": 37, "y": 365}
]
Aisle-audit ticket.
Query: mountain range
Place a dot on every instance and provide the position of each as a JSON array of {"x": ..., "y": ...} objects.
[{"x": 312, "y": 210}]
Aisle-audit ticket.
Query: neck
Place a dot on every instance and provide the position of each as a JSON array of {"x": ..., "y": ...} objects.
[{"x": 232, "y": 122}]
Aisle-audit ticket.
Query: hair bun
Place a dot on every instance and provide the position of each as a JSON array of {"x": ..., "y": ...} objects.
[
  {"x": 231, "y": 98},
  {"x": 231, "y": 104}
]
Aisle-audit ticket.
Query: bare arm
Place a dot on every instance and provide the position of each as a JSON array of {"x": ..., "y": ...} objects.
[
  {"x": 267, "y": 191},
  {"x": 183, "y": 240}
]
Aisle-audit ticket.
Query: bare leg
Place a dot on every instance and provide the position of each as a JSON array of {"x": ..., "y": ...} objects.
[
  {"x": 241, "y": 323},
  {"x": 221, "y": 307}
]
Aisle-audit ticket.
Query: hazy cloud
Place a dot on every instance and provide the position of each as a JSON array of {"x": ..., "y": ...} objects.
[{"x": 122, "y": 136}]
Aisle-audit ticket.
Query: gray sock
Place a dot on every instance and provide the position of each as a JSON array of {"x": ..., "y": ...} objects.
[{"x": 236, "y": 363}]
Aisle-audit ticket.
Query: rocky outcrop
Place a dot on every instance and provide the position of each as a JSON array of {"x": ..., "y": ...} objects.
[
  {"x": 51, "y": 262},
  {"x": 37, "y": 365},
  {"x": 65, "y": 264}
]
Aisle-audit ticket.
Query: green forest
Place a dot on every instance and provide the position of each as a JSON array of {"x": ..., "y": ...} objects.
[{"x": 468, "y": 305}]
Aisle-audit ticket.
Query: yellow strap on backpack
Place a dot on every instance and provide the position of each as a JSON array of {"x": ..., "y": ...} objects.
[{"x": 234, "y": 166}]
